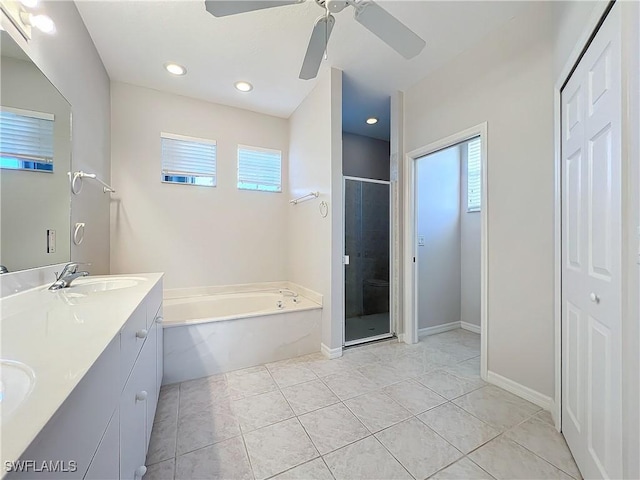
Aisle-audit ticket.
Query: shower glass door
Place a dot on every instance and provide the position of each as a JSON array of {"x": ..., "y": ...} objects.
[{"x": 367, "y": 260}]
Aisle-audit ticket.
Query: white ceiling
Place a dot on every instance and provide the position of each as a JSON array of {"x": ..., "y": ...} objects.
[{"x": 135, "y": 39}]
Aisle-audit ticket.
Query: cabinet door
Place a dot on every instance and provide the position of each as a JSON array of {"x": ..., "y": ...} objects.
[
  {"x": 106, "y": 462},
  {"x": 146, "y": 364},
  {"x": 159, "y": 350},
  {"x": 75, "y": 430},
  {"x": 133, "y": 417}
]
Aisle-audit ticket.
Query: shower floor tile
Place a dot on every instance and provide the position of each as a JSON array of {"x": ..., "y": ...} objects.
[{"x": 302, "y": 419}]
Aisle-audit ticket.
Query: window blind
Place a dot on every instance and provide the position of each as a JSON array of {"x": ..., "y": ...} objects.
[
  {"x": 474, "y": 175},
  {"x": 259, "y": 169},
  {"x": 188, "y": 160},
  {"x": 26, "y": 136}
]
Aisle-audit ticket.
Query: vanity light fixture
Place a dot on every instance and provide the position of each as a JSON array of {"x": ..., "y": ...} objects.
[
  {"x": 29, "y": 3},
  {"x": 41, "y": 22},
  {"x": 175, "y": 69},
  {"x": 372, "y": 121},
  {"x": 243, "y": 86}
]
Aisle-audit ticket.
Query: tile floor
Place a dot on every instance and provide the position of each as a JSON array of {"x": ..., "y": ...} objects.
[{"x": 384, "y": 411}]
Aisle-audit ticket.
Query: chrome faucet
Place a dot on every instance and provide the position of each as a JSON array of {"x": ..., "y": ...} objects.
[
  {"x": 69, "y": 274},
  {"x": 3, "y": 269}
]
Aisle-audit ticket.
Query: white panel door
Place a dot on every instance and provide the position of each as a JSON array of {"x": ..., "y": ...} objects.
[{"x": 591, "y": 257}]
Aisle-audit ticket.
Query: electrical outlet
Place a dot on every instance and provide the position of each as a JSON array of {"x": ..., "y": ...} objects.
[{"x": 51, "y": 241}]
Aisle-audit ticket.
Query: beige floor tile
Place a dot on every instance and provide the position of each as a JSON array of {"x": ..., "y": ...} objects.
[
  {"x": 446, "y": 384},
  {"x": 211, "y": 425},
  {"x": 309, "y": 396},
  {"x": 162, "y": 445},
  {"x": 505, "y": 459},
  {"x": 222, "y": 461},
  {"x": 349, "y": 384},
  {"x": 543, "y": 440},
  {"x": 366, "y": 459},
  {"x": 292, "y": 375},
  {"x": 377, "y": 410},
  {"x": 313, "y": 470},
  {"x": 333, "y": 427},
  {"x": 167, "y": 409},
  {"x": 278, "y": 447},
  {"x": 161, "y": 471},
  {"x": 414, "y": 396},
  {"x": 461, "y": 429},
  {"x": 497, "y": 407},
  {"x": 258, "y": 411},
  {"x": 251, "y": 382},
  {"x": 418, "y": 448},
  {"x": 463, "y": 469}
]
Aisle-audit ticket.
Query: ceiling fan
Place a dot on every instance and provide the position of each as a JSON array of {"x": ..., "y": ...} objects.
[{"x": 369, "y": 14}]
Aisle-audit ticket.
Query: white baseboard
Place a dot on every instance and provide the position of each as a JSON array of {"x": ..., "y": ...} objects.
[
  {"x": 471, "y": 327},
  {"x": 445, "y": 327},
  {"x": 330, "y": 353},
  {"x": 537, "y": 398}
]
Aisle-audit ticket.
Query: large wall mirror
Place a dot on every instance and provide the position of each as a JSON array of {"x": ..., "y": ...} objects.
[{"x": 35, "y": 161}]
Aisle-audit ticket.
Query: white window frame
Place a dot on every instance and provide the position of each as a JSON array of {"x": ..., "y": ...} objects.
[
  {"x": 257, "y": 149},
  {"x": 475, "y": 207},
  {"x": 189, "y": 175},
  {"x": 26, "y": 158}
]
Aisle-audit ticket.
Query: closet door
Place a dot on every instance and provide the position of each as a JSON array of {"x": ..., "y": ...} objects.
[{"x": 591, "y": 256}]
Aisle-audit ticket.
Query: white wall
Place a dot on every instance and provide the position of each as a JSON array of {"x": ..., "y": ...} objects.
[
  {"x": 199, "y": 236},
  {"x": 309, "y": 256},
  {"x": 506, "y": 80},
  {"x": 470, "y": 250},
  {"x": 70, "y": 61},
  {"x": 34, "y": 202},
  {"x": 438, "y": 218}
]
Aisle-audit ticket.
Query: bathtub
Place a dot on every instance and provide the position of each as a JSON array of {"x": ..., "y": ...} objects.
[{"x": 211, "y": 330}]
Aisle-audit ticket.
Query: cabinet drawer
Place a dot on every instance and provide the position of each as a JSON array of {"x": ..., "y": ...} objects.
[
  {"x": 133, "y": 418},
  {"x": 159, "y": 350},
  {"x": 132, "y": 337},
  {"x": 153, "y": 301},
  {"x": 75, "y": 430}
]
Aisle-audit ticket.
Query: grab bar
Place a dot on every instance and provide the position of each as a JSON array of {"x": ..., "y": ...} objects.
[
  {"x": 80, "y": 175},
  {"x": 308, "y": 196}
]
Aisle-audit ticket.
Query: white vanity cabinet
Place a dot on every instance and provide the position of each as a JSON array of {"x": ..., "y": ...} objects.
[{"x": 104, "y": 426}]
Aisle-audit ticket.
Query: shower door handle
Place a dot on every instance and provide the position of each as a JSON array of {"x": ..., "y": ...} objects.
[{"x": 345, "y": 260}]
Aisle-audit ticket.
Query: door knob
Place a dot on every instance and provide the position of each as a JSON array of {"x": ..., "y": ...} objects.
[{"x": 594, "y": 298}]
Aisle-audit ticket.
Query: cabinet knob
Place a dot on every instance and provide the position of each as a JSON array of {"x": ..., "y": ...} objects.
[
  {"x": 141, "y": 396},
  {"x": 594, "y": 298},
  {"x": 159, "y": 319},
  {"x": 141, "y": 333},
  {"x": 140, "y": 471}
]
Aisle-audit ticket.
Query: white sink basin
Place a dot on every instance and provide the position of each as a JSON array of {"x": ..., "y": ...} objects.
[
  {"x": 96, "y": 285},
  {"x": 16, "y": 382}
]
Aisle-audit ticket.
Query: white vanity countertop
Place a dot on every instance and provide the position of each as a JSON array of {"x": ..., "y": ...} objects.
[{"x": 59, "y": 335}]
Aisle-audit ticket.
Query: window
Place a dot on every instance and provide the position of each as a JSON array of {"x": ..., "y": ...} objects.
[
  {"x": 187, "y": 160},
  {"x": 26, "y": 140},
  {"x": 259, "y": 169},
  {"x": 474, "y": 175}
]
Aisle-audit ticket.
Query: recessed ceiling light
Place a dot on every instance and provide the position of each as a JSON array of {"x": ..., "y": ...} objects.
[
  {"x": 372, "y": 121},
  {"x": 244, "y": 86},
  {"x": 175, "y": 69}
]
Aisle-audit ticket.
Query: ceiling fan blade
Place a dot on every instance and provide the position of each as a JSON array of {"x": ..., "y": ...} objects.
[
  {"x": 389, "y": 29},
  {"x": 222, "y": 8},
  {"x": 317, "y": 46}
]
